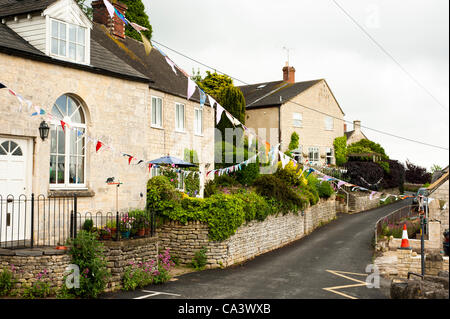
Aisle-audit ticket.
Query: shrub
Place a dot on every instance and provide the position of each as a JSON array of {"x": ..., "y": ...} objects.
[
  {"x": 255, "y": 206},
  {"x": 192, "y": 184},
  {"x": 210, "y": 189},
  {"x": 225, "y": 180},
  {"x": 325, "y": 190},
  {"x": 7, "y": 281},
  {"x": 40, "y": 288},
  {"x": 248, "y": 174},
  {"x": 290, "y": 175},
  {"x": 199, "y": 260},
  {"x": 161, "y": 194},
  {"x": 340, "y": 150},
  {"x": 88, "y": 225},
  {"x": 293, "y": 144},
  {"x": 87, "y": 252},
  {"x": 270, "y": 186}
]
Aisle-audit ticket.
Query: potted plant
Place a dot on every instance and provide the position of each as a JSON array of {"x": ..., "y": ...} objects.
[
  {"x": 125, "y": 225},
  {"x": 105, "y": 233},
  {"x": 111, "y": 225}
]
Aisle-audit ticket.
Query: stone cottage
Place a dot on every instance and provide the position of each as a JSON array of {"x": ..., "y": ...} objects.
[
  {"x": 92, "y": 77},
  {"x": 277, "y": 109}
]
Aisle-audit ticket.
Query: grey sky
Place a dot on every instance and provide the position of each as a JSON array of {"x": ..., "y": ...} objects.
[{"x": 245, "y": 40}]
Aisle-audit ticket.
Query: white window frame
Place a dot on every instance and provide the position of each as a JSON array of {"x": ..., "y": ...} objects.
[
  {"x": 329, "y": 123},
  {"x": 297, "y": 119},
  {"x": 155, "y": 171},
  {"x": 177, "y": 126},
  {"x": 329, "y": 150},
  {"x": 315, "y": 151},
  {"x": 67, "y": 153},
  {"x": 157, "y": 125},
  {"x": 67, "y": 56},
  {"x": 198, "y": 123}
]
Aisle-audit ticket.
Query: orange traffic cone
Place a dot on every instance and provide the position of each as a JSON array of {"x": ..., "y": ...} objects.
[{"x": 405, "y": 241}]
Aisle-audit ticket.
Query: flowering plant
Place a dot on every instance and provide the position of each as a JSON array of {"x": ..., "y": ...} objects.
[
  {"x": 40, "y": 288},
  {"x": 125, "y": 223}
]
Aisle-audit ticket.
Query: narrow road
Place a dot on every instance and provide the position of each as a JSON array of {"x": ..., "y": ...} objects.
[{"x": 333, "y": 256}]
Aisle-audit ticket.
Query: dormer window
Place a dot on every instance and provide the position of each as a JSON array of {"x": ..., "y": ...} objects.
[{"x": 68, "y": 41}]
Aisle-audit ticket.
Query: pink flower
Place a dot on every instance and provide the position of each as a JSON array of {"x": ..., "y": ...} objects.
[{"x": 171, "y": 179}]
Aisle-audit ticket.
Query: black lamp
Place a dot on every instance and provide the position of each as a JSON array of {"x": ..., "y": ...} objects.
[{"x": 43, "y": 130}]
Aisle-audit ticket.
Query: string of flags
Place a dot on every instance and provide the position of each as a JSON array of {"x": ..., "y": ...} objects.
[{"x": 99, "y": 144}]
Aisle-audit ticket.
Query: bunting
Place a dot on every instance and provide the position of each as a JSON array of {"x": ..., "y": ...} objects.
[{"x": 191, "y": 88}]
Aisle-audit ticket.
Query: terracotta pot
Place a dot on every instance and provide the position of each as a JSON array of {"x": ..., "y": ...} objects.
[
  {"x": 141, "y": 232},
  {"x": 147, "y": 231}
]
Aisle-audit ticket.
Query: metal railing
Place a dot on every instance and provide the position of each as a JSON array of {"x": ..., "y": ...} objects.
[
  {"x": 39, "y": 221},
  {"x": 395, "y": 217},
  {"x": 32, "y": 221}
]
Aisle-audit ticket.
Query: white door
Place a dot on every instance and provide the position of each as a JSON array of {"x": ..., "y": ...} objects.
[{"x": 15, "y": 179}]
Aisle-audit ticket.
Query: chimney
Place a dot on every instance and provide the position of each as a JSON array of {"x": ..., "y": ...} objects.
[
  {"x": 345, "y": 127},
  {"x": 100, "y": 15},
  {"x": 356, "y": 126},
  {"x": 289, "y": 73}
]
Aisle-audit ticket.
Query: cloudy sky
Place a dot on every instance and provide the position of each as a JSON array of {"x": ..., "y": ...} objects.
[{"x": 245, "y": 39}]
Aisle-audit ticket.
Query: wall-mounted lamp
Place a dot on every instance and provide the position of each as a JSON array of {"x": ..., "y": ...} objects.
[{"x": 43, "y": 130}]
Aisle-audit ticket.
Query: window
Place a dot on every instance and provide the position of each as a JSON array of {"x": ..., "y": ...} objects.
[
  {"x": 10, "y": 148},
  {"x": 179, "y": 117},
  {"x": 67, "y": 148},
  {"x": 156, "y": 112},
  {"x": 156, "y": 171},
  {"x": 68, "y": 40},
  {"x": 297, "y": 119},
  {"x": 329, "y": 156},
  {"x": 198, "y": 122},
  {"x": 329, "y": 123},
  {"x": 313, "y": 156}
]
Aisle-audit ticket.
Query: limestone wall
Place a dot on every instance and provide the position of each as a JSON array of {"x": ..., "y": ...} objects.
[
  {"x": 359, "y": 202},
  {"x": 249, "y": 241}
]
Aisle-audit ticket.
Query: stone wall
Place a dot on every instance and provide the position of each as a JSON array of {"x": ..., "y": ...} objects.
[
  {"x": 250, "y": 240},
  {"x": 361, "y": 201},
  {"x": 397, "y": 264},
  {"x": 28, "y": 263},
  {"x": 119, "y": 254}
]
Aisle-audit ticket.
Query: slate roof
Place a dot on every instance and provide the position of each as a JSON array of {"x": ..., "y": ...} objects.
[
  {"x": 154, "y": 65},
  {"x": 268, "y": 93},
  {"x": 14, "y": 7}
]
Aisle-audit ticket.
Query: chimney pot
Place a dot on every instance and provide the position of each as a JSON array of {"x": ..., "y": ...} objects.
[
  {"x": 289, "y": 74},
  {"x": 356, "y": 125}
]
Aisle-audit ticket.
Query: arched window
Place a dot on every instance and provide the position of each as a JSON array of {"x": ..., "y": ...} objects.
[{"x": 67, "y": 148}]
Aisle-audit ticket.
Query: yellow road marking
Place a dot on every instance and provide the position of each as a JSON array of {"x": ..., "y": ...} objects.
[{"x": 340, "y": 274}]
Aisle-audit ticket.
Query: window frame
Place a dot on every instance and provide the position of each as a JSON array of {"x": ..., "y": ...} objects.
[
  {"x": 161, "y": 113},
  {"x": 329, "y": 150},
  {"x": 67, "y": 57},
  {"x": 313, "y": 150},
  {"x": 67, "y": 152},
  {"x": 329, "y": 123},
  {"x": 177, "y": 128},
  {"x": 295, "y": 119},
  {"x": 196, "y": 121}
]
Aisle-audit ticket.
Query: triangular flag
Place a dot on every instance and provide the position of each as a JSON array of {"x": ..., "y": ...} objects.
[
  {"x": 172, "y": 64},
  {"x": 147, "y": 44},
  {"x": 121, "y": 17},
  {"x": 202, "y": 97},
  {"x": 219, "y": 112},
  {"x": 2, "y": 86},
  {"x": 191, "y": 88},
  {"x": 371, "y": 195},
  {"x": 137, "y": 27},
  {"x": 110, "y": 8},
  {"x": 211, "y": 100},
  {"x": 63, "y": 124},
  {"x": 149, "y": 168},
  {"x": 98, "y": 146},
  {"x": 129, "y": 159}
]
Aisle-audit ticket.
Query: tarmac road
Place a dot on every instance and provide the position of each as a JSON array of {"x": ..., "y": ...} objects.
[{"x": 314, "y": 267}]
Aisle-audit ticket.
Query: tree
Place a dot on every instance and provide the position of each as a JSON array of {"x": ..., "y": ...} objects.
[
  {"x": 340, "y": 150},
  {"x": 416, "y": 174},
  {"x": 294, "y": 141},
  {"x": 214, "y": 83},
  {"x": 367, "y": 146},
  {"x": 435, "y": 168},
  {"x": 87, "y": 9},
  {"x": 136, "y": 13}
]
